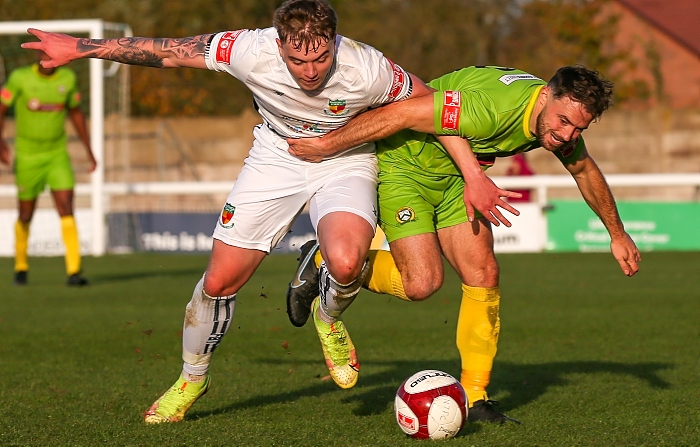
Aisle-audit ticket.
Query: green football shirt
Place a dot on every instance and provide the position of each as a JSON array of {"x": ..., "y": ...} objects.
[
  {"x": 489, "y": 106},
  {"x": 40, "y": 104}
]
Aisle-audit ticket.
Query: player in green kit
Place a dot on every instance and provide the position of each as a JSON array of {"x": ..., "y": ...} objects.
[
  {"x": 41, "y": 99},
  {"x": 427, "y": 210}
]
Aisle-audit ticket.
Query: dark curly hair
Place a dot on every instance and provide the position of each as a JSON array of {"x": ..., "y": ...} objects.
[
  {"x": 584, "y": 86},
  {"x": 305, "y": 24}
]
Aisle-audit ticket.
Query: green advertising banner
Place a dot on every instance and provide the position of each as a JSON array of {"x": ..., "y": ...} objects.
[{"x": 572, "y": 226}]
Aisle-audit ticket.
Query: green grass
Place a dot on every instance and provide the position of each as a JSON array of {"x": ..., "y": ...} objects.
[{"x": 587, "y": 357}]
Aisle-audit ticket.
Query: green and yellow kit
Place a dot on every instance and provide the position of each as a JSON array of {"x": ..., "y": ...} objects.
[
  {"x": 420, "y": 187},
  {"x": 40, "y": 105}
]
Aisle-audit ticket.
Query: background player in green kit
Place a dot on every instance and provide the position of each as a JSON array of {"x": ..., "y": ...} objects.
[
  {"x": 42, "y": 98},
  {"x": 426, "y": 210}
]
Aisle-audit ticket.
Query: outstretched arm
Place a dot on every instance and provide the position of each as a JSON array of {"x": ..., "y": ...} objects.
[
  {"x": 156, "y": 52},
  {"x": 415, "y": 113},
  {"x": 597, "y": 194}
]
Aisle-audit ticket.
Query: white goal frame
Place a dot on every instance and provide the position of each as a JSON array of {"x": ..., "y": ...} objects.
[{"x": 95, "y": 28}]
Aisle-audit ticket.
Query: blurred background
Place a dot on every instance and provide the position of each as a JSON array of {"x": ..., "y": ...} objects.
[{"x": 189, "y": 125}]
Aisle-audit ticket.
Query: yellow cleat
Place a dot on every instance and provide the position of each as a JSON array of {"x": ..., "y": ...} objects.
[
  {"x": 172, "y": 406},
  {"x": 338, "y": 350}
]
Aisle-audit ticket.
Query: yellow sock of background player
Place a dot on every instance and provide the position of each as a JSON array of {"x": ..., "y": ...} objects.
[
  {"x": 70, "y": 239},
  {"x": 478, "y": 327},
  {"x": 21, "y": 246}
]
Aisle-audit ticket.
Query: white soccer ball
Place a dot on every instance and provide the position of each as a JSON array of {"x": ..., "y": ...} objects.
[{"x": 431, "y": 404}]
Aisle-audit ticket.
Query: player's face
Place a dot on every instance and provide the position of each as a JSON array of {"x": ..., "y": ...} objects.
[
  {"x": 41, "y": 56},
  {"x": 561, "y": 122},
  {"x": 308, "y": 68}
]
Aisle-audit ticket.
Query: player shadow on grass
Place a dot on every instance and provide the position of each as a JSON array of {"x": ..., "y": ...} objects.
[
  {"x": 523, "y": 384},
  {"x": 520, "y": 384}
]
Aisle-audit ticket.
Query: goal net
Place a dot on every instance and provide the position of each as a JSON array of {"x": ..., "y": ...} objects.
[{"x": 105, "y": 91}]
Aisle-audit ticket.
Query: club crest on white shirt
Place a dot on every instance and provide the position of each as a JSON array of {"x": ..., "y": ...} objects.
[{"x": 336, "y": 107}]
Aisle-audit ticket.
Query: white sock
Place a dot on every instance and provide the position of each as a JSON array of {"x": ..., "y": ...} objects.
[
  {"x": 336, "y": 297},
  {"x": 207, "y": 319}
]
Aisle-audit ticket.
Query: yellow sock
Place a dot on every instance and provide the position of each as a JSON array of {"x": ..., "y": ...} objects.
[
  {"x": 70, "y": 239},
  {"x": 478, "y": 327},
  {"x": 21, "y": 246},
  {"x": 384, "y": 276}
]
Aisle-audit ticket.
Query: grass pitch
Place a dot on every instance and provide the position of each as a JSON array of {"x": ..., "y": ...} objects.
[{"x": 587, "y": 357}]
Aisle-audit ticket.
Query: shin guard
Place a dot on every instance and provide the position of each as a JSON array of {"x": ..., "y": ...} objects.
[
  {"x": 335, "y": 297},
  {"x": 207, "y": 319}
]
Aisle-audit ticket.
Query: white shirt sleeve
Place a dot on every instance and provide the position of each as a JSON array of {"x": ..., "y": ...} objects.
[
  {"x": 389, "y": 82},
  {"x": 234, "y": 52}
]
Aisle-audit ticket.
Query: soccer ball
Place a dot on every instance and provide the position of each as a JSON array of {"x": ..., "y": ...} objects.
[{"x": 431, "y": 404}]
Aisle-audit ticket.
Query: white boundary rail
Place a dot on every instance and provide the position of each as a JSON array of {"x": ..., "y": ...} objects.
[{"x": 541, "y": 183}]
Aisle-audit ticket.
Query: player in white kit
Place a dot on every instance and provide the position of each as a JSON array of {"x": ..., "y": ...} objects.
[{"x": 306, "y": 81}]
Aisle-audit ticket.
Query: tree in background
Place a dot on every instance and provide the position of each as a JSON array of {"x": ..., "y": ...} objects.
[
  {"x": 426, "y": 38},
  {"x": 188, "y": 92},
  {"x": 553, "y": 33},
  {"x": 429, "y": 38}
]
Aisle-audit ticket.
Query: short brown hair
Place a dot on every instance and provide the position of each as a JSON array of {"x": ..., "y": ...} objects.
[
  {"x": 305, "y": 24},
  {"x": 584, "y": 86}
]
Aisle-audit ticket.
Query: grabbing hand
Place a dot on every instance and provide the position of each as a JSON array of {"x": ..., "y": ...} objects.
[{"x": 307, "y": 149}]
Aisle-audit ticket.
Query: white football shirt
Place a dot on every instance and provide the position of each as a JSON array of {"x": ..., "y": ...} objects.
[{"x": 361, "y": 77}]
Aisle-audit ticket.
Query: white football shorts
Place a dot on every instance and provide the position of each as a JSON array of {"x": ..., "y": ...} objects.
[{"x": 274, "y": 186}]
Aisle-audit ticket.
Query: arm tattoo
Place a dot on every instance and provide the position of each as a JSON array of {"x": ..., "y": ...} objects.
[
  {"x": 143, "y": 51},
  {"x": 185, "y": 48},
  {"x": 128, "y": 50}
]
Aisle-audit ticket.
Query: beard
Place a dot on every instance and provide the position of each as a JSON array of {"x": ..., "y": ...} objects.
[{"x": 541, "y": 130}]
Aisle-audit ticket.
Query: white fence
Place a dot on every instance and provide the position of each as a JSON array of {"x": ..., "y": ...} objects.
[{"x": 530, "y": 226}]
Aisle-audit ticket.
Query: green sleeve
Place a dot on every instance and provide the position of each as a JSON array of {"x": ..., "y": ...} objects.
[
  {"x": 444, "y": 116},
  {"x": 472, "y": 115}
]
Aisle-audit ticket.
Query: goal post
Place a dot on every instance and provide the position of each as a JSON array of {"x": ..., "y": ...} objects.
[{"x": 98, "y": 70}]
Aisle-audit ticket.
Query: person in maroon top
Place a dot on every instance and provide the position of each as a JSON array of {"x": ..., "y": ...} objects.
[{"x": 520, "y": 166}]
